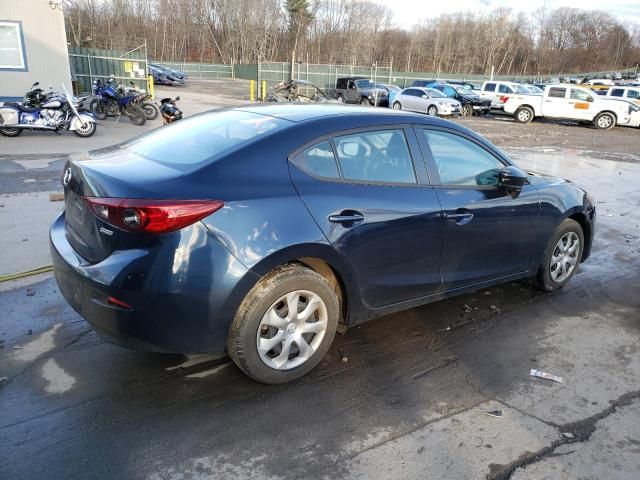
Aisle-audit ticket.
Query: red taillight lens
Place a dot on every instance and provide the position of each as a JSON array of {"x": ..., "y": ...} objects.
[{"x": 151, "y": 216}]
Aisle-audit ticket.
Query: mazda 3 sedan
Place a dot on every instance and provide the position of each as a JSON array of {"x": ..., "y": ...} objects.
[{"x": 261, "y": 230}]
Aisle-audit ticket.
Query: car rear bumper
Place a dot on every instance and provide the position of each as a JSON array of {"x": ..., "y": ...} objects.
[{"x": 181, "y": 302}]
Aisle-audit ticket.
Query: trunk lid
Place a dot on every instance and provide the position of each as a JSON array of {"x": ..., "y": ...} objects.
[{"x": 112, "y": 173}]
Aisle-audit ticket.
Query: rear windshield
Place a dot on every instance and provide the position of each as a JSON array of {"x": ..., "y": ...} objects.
[{"x": 202, "y": 137}]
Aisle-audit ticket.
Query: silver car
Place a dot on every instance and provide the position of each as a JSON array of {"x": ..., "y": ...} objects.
[{"x": 426, "y": 100}]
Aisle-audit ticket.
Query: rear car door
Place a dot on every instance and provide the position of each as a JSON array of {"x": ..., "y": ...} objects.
[
  {"x": 555, "y": 104},
  {"x": 488, "y": 233},
  {"x": 368, "y": 192}
]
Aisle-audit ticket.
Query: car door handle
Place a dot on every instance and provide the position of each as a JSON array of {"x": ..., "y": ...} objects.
[
  {"x": 346, "y": 217},
  {"x": 459, "y": 218}
]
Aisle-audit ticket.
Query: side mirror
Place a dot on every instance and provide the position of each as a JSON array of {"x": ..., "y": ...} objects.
[
  {"x": 425, "y": 96},
  {"x": 35, "y": 84},
  {"x": 512, "y": 178}
]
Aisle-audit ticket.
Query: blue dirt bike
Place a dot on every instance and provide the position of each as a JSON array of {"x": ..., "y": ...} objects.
[{"x": 110, "y": 103}]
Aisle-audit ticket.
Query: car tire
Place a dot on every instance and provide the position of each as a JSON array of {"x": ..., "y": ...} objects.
[
  {"x": 549, "y": 278},
  {"x": 397, "y": 106},
  {"x": 466, "y": 110},
  {"x": 340, "y": 99},
  {"x": 264, "y": 315},
  {"x": 432, "y": 111},
  {"x": 365, "y": 102},
  {"x": 604, "y": 121},
  {"x": 10, "y": 132},
  {"x": 523, "y": 115}
]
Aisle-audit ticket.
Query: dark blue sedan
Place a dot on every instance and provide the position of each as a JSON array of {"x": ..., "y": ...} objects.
[{"x": 261, "y": 230}]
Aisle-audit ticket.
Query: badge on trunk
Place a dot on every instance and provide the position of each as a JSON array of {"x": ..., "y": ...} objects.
[{"x": 66, "y": 177}]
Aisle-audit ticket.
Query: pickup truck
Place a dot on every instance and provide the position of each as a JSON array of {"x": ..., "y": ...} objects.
[{"x": 570, "y": 102}]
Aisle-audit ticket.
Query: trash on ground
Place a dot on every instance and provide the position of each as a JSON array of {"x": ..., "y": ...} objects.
[
  {"x": 494, "y": 413},
  {"x": 467, "y": 308},
  {"x": 30, "y": 292},
  {"x": 17, "y": 347},
  {"x": 345, "y": 359},
  {"x": 548, "y": 376},
  {"x": 495, "y": 310},
  {"x": 56, "y": 197},
  {"x": 567, "y": 434}
]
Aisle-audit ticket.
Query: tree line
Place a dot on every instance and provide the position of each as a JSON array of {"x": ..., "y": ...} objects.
[{"x": 358, "y": 32}]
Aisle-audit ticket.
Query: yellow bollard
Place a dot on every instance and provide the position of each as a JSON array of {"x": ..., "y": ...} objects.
[
  {"x": 150, "y": 86},
  {"x": 252, "y": 90},
  {"x": 264, "y": 90}
]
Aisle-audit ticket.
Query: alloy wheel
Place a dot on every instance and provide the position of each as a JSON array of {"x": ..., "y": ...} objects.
[
  {"x": 565, "y": 257},
  {"x": 292, "y": 330}
]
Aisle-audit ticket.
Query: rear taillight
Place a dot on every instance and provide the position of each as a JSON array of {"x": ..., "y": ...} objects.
[{"x": 151, "y": 216}]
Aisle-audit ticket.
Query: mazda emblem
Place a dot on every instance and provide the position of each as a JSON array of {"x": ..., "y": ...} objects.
[{"x": 66, "y": 178}]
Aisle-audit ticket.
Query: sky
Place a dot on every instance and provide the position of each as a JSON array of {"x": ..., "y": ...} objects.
[{"x": 409, "y": 12}]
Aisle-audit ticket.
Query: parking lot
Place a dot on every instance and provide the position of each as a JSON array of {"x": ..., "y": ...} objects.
[{"x": 404, "y": 396}]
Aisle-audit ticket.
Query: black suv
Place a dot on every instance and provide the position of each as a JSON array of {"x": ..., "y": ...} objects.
[{"x": 360, "y": 90}]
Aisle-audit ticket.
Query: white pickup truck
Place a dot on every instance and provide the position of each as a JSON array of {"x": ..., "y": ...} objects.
[
  {"x": 570, "y": 102},
  {"x": 628, "y": 93}
]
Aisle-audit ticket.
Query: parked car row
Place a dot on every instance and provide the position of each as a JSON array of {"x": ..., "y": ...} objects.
[{"x": 166, "y": 76}]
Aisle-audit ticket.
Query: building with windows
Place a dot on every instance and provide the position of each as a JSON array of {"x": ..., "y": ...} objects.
[{"x": 33, "y": 47}]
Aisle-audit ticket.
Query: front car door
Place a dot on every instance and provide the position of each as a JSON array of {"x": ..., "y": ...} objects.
[
  {"x": 368, "y": 192},
  {"x": 410, "y": 99},
  {"x": 352, "y": 92},
  {"x": 582, "y": 103},
  {"x": 488, "y": 233}
]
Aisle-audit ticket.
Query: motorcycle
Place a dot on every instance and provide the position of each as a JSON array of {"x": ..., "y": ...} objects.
[
  {"x": 170, "y": 113},
  {"x": 58, "y": 111},
  {"x": 109, "y": 102},
  {"x": 142, "y": 99}
]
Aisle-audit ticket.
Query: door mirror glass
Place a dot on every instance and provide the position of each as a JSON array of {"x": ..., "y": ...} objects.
[
  {"x": 512, "y": 178},
  {"x": 425, "y": 96}
]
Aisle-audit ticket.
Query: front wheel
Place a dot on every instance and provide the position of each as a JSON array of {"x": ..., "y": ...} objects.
[
  {"x": 99, "y": 109},
  {"x": 284, "y": 326},
  {"x": 135, "y": 114},
  {"x": 10, "y": 132},
  {"x": 562, "y": 256},
  {"x": 86, "y": 130},
  {"x": 467, "y": 110},
  {"x": 397, "y": 106},
  {"x": 604, "y": 121},
  {"x": 150, "y": 110}
]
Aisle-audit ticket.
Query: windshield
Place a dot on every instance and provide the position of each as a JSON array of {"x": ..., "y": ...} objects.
[
  {"x": 202, "y": 137},
  {"x": 435, "y": 93},
  {"x": 463, "y": 90},
  {"x": 364, "y": 84}
]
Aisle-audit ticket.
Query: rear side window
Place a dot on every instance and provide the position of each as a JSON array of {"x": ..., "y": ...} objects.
[
  {"x": 557, "y": 92},
  {"x": 635, "y": 94},
  {"x": 490, "y": 87},
  {"x": 504, "y": 89},
  {"x": 378, "y": 156},
  {"x": 318, "y": 160},
  {"x": 460, "y": 161},
  {"x": 617, "y": 92},
  {"x": 202, "y": 138}
]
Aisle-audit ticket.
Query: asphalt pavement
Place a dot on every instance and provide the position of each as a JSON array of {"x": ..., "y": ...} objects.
[{"x": 404, "y": 396}]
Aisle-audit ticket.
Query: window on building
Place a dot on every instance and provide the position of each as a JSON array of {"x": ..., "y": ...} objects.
[{"x": 11, "y": 47}]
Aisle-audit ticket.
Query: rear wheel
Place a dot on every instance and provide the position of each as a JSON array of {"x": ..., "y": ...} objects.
[
  {"x": 397, "y": 106},
  {"x": 365, "y": 102},
  {"x": 150, "y": 111},
  {"x": 604, "y": 121},
  {"x": 523, "y": 115},
  {"x": 10, "y": 132},
  {"x": 432, "y": 110},
  {"x": 562, "y": 256},
  {"x": 284, "y": 326},
  {"x": 340, "y": 99},
  {"x": 135, "y": 114}
]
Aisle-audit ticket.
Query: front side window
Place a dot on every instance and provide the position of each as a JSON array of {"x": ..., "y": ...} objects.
[
  {"x": 378, "y": 156},
  {"x": 11, "y": 47},
  {"x": 460, "y": 161},
  {"x": 364, "y": 84},
  {"x": 580, "y": 95},
  {"x": 557, "y": 92}
]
